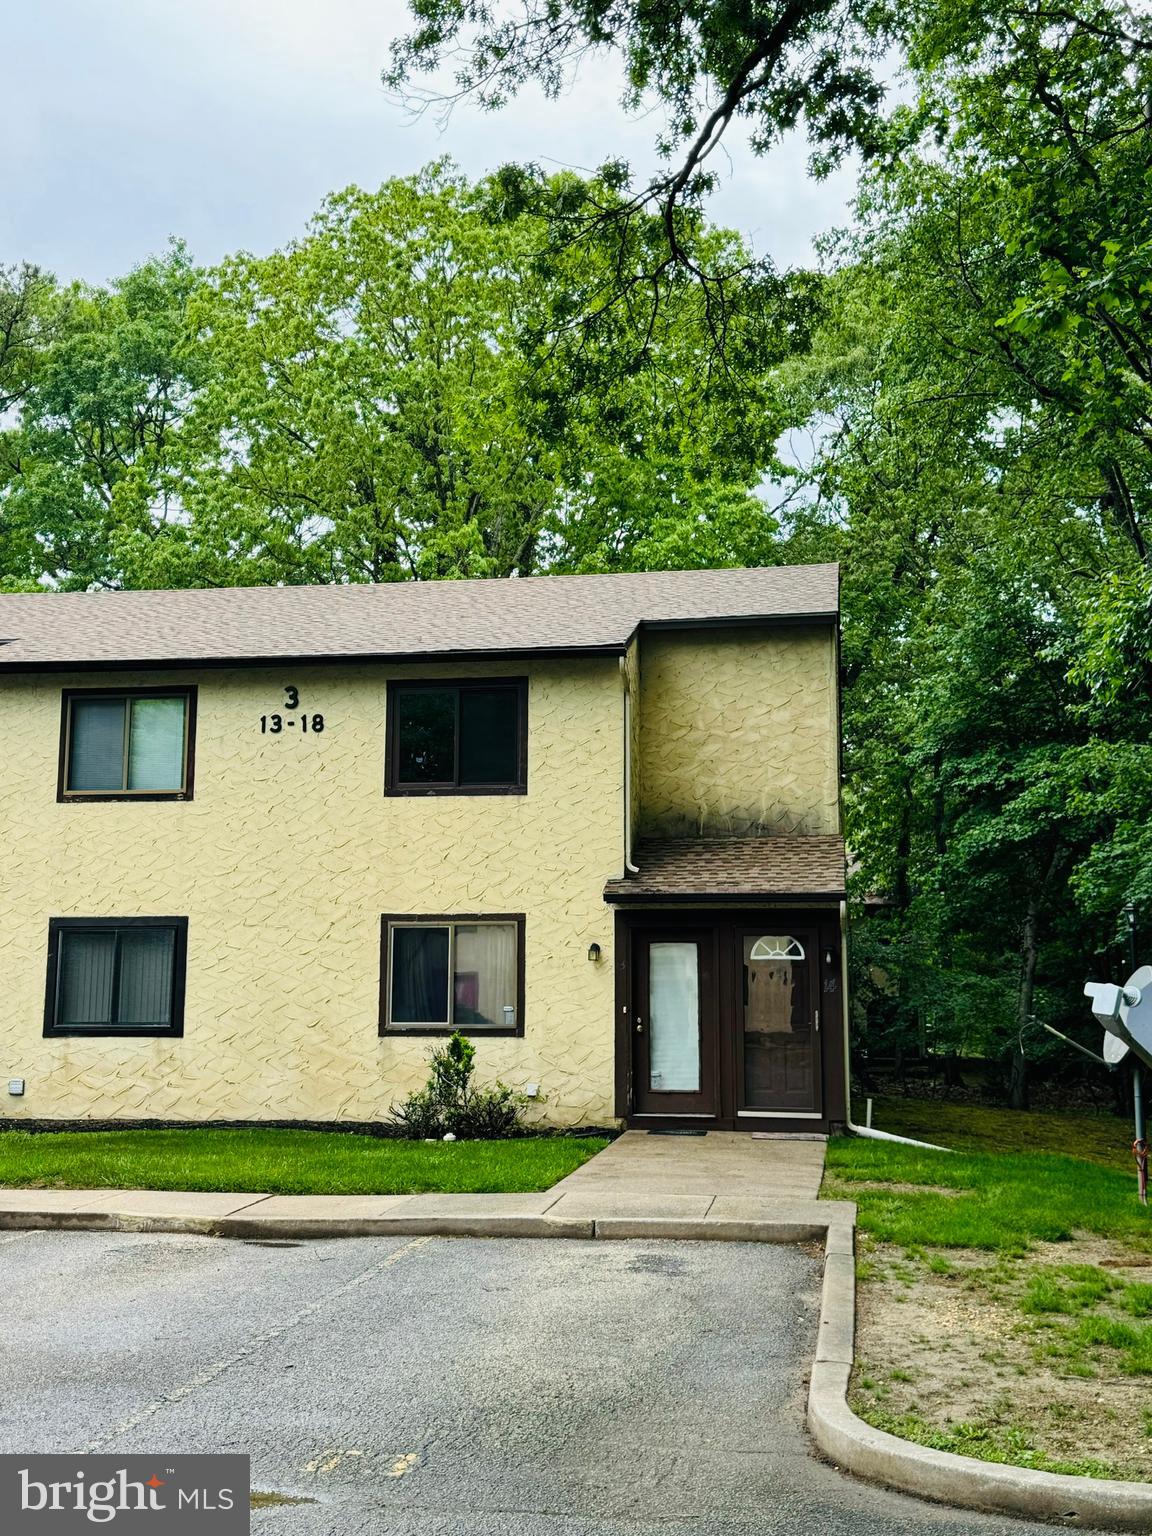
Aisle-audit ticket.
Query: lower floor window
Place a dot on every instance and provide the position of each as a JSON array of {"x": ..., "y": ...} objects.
[
  {"x": 116, "y": 976},
  {"x": 453, "y": 973}
]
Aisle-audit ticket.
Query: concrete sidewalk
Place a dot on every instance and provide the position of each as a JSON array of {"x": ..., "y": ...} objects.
[{"x": 723, "y": 1186}]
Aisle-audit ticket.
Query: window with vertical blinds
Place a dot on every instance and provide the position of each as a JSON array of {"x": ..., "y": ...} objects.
[
  {"x": 116, "y": 976},
  {"x": 136, "y": 743}
]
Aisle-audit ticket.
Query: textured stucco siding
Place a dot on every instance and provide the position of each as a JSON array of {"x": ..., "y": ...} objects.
[
  {"x": 283, "y": 864},
  {"x": 739, "y": 731}
]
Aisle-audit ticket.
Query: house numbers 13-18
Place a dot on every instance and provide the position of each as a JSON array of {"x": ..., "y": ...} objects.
[{"x": 291, "y": 717}]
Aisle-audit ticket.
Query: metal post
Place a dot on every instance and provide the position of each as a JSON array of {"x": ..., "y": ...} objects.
[
  {"x": 1140, "y": 1145},
  {"x": 1130, "y": 914},
  {"x": 1137, "y": 1074},
  {"x": 1138, "y": 1102}
]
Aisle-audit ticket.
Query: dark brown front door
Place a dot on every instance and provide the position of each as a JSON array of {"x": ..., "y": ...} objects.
[
  {"x": 674, "y": 1022},
  {"x": 778, "y": 1024}
]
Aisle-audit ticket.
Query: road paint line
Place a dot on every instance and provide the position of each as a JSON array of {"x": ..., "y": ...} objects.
[
  {"x": 215, "y": 1371},
  {"x": 403, "y": 1465},
  {"x": 329, "y": 1461}
]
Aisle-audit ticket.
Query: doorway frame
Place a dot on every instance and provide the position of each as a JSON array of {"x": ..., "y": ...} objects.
[{"x": 723, "y": 921}]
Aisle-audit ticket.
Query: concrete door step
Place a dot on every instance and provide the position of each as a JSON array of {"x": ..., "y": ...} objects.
[{"x": 788, "y": 1136}]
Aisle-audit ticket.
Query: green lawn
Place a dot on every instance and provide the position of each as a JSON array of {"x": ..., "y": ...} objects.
[
  {"x": 974, "y": 1335},
  {"x": 285, "y": 1162},
  {"x": 984, "y": 1200},
  {"x": 1099, "y": 1137}
]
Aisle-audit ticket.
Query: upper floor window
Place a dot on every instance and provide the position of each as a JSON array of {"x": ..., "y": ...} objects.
[
  {"x": 466, "y": 738},
  {"x": 116, "y": 976},
  {"x": 133, "y": 744}
]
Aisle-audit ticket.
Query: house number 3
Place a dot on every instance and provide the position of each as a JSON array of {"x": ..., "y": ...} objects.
[{"x": 273, "y": 725}]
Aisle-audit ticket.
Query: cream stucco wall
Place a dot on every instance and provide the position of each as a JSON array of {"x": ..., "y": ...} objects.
[
  {"x": 283, "y": 863},
  {"x": 739, "y": 731}
]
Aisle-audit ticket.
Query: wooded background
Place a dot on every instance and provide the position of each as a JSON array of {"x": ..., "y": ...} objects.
[{"x": 559, "y": 373}]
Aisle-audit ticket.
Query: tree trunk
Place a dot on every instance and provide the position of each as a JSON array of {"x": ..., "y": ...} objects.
[
  {"x": 1029, "y": 951},
  {"x": 1018, "y": 1078}
]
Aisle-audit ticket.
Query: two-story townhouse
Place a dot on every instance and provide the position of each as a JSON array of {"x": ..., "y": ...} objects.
[{"x": 258, "y": 845}]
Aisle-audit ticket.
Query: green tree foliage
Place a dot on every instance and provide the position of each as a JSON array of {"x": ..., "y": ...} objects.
[
  {"x": 99, "y": 385},
  {"x": 981, "y": 392},
  {"x": 448, "y": 379},
  {"x": 431, "y": 382},
  {"x": 415, "y": 389},
  {"x": 707, "y": 62}
]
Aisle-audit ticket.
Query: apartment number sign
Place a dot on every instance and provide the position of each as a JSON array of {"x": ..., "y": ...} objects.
[{"x": 286, "y": 718}]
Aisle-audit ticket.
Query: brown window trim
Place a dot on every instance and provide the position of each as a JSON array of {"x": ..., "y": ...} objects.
[
  {"x": 392, "y": 782},
  {"x": 59, "y": 925},
  {"x": 440, "y": 919},
  {"x": 187, "y": 692}
]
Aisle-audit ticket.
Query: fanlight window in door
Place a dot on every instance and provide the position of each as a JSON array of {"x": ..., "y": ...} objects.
[{"x": 776, "y": 948}]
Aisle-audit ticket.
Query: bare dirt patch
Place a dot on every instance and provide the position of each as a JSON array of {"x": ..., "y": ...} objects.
[{"x": 1015, "y": 1359}]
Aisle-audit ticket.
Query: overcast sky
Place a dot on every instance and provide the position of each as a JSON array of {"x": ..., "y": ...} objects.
[{"x": 227, "y": 121}]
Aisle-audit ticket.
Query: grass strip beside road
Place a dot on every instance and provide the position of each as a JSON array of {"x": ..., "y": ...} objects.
[
  {"x": 1005, "y": 1303},
  {"x": 285, "y": 1162},
  {"x": 997, "y": 1201}
]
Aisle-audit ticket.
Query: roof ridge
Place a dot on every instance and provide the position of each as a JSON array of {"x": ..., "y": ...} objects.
[{"x": 424, "y": 582}]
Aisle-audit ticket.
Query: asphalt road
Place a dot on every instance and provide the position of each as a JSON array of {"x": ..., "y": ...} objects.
[{"x": 446, "y": 1387}]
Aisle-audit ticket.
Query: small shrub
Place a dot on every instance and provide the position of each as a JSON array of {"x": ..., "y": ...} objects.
[
  {"x": 418, "y": 1117},
  {"x": 450, "y": 1103},
  {"x": 490, "y": 1114}
]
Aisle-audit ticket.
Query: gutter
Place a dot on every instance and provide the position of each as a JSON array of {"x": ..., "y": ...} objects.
[
  {"x": 304, "y": 659},
  {"x": 864, "y": 1130},
  {"x": 629, "y": 867}
]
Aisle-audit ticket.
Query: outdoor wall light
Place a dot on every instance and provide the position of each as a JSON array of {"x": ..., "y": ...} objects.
[{"x": 593, "y": 952}]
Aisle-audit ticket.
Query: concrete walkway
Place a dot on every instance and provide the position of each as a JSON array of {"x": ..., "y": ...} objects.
[
  {"x": 723, "y": 1174},
  {"x": 723, "y": 1186}
]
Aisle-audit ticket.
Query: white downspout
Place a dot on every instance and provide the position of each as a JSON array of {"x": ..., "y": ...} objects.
[
  {"x": 629, "y": 867},
  {"x": 864, "y": 1130}
]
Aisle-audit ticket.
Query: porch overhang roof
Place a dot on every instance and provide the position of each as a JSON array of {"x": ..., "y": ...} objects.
[{"x": 784, "y": 868}]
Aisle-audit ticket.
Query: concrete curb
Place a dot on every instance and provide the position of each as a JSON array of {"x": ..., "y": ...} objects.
[
  {"x": 249, "y": 1224},
  {"x": 701, "y": 1230},
  {"x": 843, "y": 1437},
  {"x": 939, "y": 1475}
]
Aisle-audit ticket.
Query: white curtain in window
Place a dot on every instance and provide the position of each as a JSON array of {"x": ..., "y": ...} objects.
[
  {"x": 156, "y": 745},
  {"x": 484, "y": 976}
]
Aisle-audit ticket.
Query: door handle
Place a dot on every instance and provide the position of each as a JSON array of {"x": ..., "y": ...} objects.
[{"x": 639, "y": 1026}]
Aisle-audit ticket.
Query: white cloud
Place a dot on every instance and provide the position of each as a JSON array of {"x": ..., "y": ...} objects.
[{"x": 227, "y": 121}]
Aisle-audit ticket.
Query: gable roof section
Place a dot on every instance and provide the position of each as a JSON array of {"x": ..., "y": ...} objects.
[
  {"x": 745, "y": 868},
  {"x": 401, "y": 620}
]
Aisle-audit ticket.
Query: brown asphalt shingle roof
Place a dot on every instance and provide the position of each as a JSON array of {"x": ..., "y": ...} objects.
[
  {"x": 402, "y": 619},
  {"x": 745, "y": 867}
]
